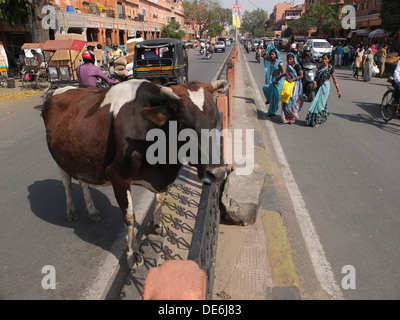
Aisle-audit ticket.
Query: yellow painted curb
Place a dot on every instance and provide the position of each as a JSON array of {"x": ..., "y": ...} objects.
[{"x": 282, "y": 267}]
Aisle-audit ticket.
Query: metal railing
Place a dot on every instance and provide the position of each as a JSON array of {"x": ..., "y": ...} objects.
[{"x": 203, "y": 248}]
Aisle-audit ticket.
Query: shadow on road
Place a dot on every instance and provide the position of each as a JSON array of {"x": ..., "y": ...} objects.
[
  {"x": 373, "y": 117},
  {"x": 47, "y": 201}
]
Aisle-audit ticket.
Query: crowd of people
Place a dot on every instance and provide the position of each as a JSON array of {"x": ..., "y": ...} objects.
[
  {"x": 275, "y": 77},
  {"x": 365, "y": 61}
]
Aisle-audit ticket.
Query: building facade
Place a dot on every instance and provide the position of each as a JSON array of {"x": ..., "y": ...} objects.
[
  {"x": 368, "y": 12},
  {"x": 110, "y": 21},
  {"x": 278, "y": 14}
]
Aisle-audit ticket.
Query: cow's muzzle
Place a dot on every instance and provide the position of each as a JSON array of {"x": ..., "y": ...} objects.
[{"x": 213, "y": 174}]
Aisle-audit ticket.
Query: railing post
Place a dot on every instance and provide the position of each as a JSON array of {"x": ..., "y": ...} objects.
[
  {"x": 231, "y": 79},
  {"x": 222, "y": 103}
]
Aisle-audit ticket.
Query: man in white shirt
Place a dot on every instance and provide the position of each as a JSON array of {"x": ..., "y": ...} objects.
[{"x": 396, "y": 84}]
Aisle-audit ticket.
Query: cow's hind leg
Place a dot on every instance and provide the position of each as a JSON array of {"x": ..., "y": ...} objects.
[
  {"x": 158, "y": 222},
  {"x": 72, "y": 214},
  {"x": 94, "y": 215}
]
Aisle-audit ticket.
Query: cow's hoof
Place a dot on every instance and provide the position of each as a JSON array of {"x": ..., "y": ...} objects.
[
  {"x": 72, "y": 216},
  {"x": 135, "y": 260},
  {"x": 162, "y": 229},
  {"x": 96, "y": 217}
]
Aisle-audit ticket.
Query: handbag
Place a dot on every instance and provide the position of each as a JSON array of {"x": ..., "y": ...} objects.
[
  {"x": 287, "y": 91},
  {"x": 375, "y": 70},
  {"x": 352, "y": 66}
]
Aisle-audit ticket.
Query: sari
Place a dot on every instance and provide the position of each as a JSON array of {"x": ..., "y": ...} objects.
[
  {"x": 272, "y": 91},
  {"x": 290, "y": 111},
  {"x": 369, "y": 64},
  {"x": 318, "y": 112}
]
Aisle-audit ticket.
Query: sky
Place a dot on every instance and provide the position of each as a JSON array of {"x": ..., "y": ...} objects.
[{"x": 251, "y": 5}]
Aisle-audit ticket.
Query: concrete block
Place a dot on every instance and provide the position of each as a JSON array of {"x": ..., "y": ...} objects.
[
  {"x": 175, "y": 280},
  {"x": 241, "y": 196}
]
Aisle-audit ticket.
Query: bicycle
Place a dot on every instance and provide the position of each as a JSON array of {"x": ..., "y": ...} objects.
[{"x": 388, "y": 110}]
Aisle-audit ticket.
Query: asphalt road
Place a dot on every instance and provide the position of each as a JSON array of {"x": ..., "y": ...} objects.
[
  {"x": 348, "y": 176},
  {"x": 34, "y": 231}
]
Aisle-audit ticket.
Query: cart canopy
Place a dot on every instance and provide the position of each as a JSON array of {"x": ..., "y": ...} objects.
[
  {"x": 67, "y": 44},
  {"x": 26, "y": 46}
]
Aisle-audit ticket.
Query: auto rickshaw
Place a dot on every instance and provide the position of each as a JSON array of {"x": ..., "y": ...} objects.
[{"x": 163, "y": 61}]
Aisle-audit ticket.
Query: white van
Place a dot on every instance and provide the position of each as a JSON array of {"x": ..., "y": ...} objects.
[{"x": 318, "y": 47}]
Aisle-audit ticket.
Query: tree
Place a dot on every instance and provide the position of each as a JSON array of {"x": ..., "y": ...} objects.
[
  {"x": 390, "y": 15},
  {"x": 323, "y": 16},
  {"x": 215, "y": 30},
  {"x": 203, "y": 13},
  {"x": 254, "y": 22},
  {"x": 172, "y": 30}
]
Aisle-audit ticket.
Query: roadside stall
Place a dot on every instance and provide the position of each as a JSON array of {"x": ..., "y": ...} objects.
[
  {"x": 3, "y": 66},
  {"x": 64, "y": 57}
]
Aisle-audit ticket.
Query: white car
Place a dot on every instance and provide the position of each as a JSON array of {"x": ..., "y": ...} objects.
[
  {"x": 319, "y": 47},
  {"x": 219, "y": 46}
]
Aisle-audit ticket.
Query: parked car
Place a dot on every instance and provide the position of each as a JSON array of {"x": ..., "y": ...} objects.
[
  {"x": 219, "y": 46},
  {"x": 319, "y": 47}
]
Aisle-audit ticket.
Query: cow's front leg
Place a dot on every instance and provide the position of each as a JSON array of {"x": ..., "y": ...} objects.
[
  {"x": 122, "y": 191},
  {"x": 158, "y": 221},
  {"x": 94, "y": 214},
  {"x": 72, "y": 214}
]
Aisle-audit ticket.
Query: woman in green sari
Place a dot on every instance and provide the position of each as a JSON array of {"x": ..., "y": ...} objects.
[
  {"x": 318, "y": 112},
  {"x": 273, "y": 85}
]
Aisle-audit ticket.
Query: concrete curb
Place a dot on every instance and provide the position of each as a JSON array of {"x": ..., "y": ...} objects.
[{"x": 282, "y": 268}]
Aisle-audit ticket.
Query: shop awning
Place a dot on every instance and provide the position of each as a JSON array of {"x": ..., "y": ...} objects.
[
  {"x": 379, "y": 33},
  {"x": 361, "y": 32}
]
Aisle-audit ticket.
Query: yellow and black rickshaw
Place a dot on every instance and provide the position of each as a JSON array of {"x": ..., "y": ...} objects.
[{"x": 163, "y": 61}]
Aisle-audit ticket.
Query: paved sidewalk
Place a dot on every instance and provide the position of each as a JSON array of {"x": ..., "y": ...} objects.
[{"x": 254, "y": 262}]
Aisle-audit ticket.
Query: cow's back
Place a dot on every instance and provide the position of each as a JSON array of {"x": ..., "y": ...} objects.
[{"x": 78, "y": 133}]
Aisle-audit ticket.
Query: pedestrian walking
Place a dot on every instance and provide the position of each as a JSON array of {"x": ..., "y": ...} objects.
[
  {"x": 273, "y": 87},
  {"x": 338, "y": 55},
  {"x": 268, "y": 65},
  {"x": 359, "y": 55},
  {"x": 382, "y": 55},
  {"x": 318, "y": 112},
  {"x": 368, "y": 63},
  {"x": 346, "y": 55},
  {"x": 290, "y": 111}
]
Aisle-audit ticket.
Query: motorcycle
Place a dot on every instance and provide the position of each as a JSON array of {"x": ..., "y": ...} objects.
[
  {"x": 258, "y": 55},
  {"x": 208, "y": 53},
  {"x": 247, "y": 48},
  {"x": 309, "y": 75}
]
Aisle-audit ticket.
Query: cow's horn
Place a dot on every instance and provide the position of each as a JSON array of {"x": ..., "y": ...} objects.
[{"x": 169, "y": 93}]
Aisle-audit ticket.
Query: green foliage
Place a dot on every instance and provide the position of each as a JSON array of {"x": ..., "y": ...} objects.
[
  {"x": 14, "y": 12},
  {"x": 390, "y": 15},
  {"x": 205, "y": 14},
  {"x": 322, "y": 15},
  {"x": 215, "y": 30},
  {"x": 172, "y": 30},
  {"x": 254, "y": 22}
]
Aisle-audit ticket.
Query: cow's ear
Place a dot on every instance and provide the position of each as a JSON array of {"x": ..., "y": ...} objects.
[{"x": 158, "y": 115}]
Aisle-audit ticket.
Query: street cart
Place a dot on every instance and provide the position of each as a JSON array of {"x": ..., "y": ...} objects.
[
  {"x": 64, "y": 57},
  {"x": 3, "y": 66},
  {"x": 33, "y": 73},
  {"x": 163, "y": 61}
]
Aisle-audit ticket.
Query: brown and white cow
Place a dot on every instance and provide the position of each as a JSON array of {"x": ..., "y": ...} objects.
[{"x": 98, "y": 137}]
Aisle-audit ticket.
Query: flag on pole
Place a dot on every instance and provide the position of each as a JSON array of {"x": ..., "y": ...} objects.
[{"x": 236, "y": 15}]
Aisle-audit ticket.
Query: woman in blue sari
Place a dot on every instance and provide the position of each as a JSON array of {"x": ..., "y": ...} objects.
[
  {"x": 274, "y": 79},
  {"x": 290, "y": 111},
  {"x": 318, "y": 112}
]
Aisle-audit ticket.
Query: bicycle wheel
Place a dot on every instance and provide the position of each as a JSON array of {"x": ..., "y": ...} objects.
[
  {"x": 28, "y": 80},
  {"x": 3, "y": 81},
  {"x": 387, "y": 109},
  {"x": 42, "y": 81}
]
